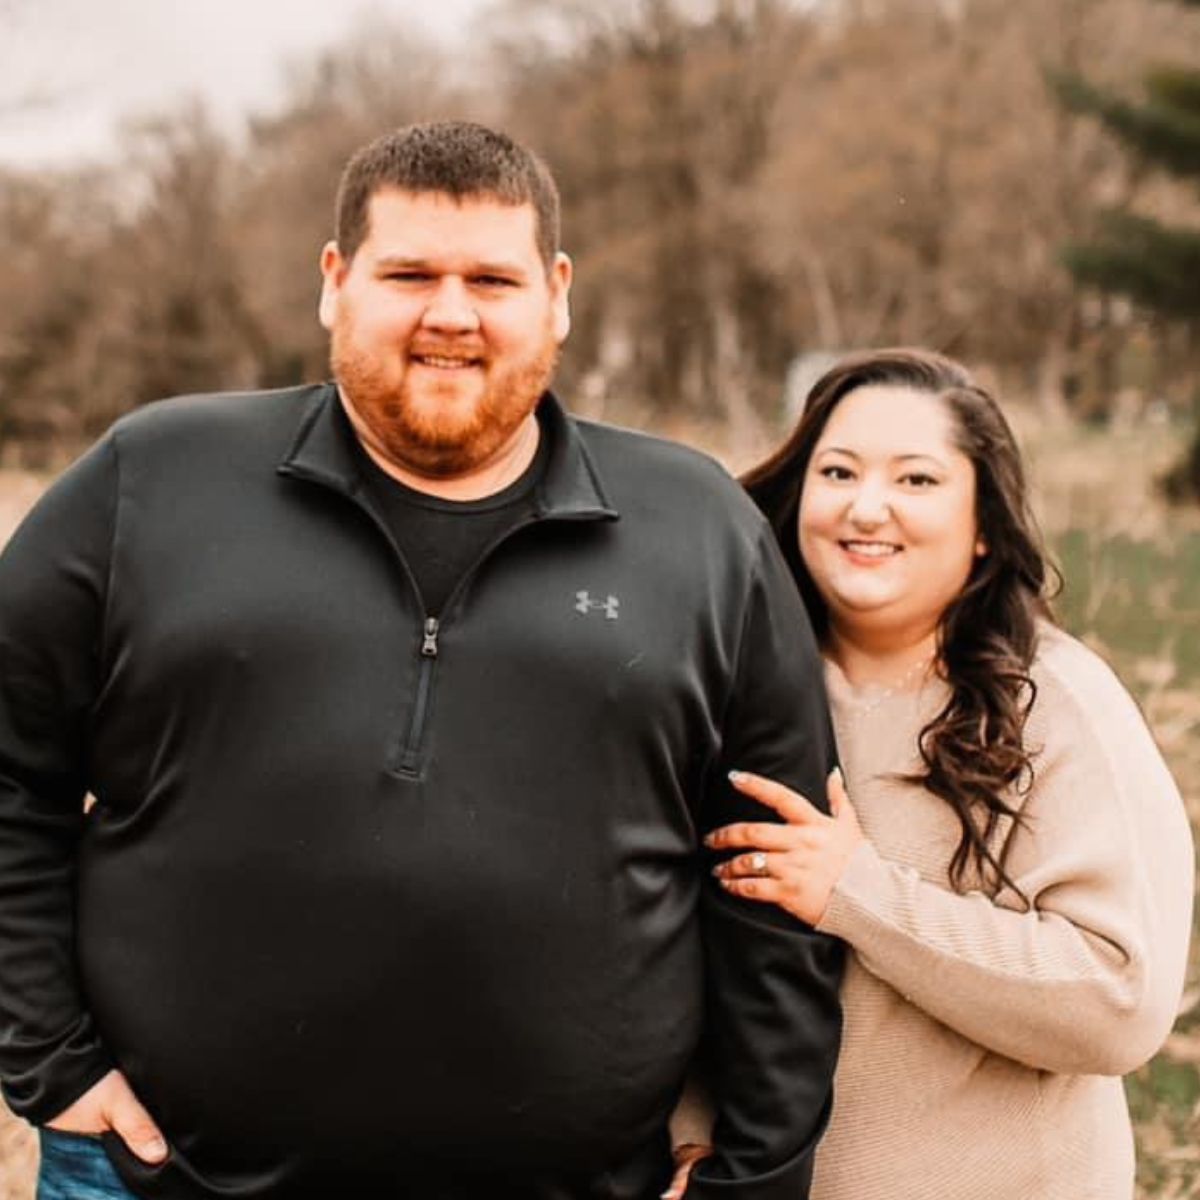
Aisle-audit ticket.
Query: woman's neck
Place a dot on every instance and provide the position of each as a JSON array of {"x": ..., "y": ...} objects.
[{"x": 880, "y": 660}]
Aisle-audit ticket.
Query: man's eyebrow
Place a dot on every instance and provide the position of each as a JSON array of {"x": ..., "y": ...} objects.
[
  {"x": 401, "y": 262},
  {"x": 404, "y": 262},
  {"x": 500, "y": 268}
]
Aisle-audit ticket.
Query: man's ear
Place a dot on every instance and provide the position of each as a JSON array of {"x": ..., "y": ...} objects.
[
  {"x": 333, "y": 273},
  {"x": 561, "y": 272}
]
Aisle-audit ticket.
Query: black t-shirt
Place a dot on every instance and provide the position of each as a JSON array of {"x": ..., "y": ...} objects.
[{"x": 441, "y": 540}]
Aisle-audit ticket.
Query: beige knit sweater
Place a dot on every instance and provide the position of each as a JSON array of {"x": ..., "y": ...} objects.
[{"x": 983, "y": 1045}]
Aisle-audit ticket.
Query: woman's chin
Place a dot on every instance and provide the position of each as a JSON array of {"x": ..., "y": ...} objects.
[{"x": 866, "y": 603}]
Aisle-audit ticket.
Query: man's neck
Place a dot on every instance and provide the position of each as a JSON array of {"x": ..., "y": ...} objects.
[{"x": 505, "y": 467}]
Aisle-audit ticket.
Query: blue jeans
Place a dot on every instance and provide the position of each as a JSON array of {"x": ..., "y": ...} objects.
[{"x": 75, "y": 1167}]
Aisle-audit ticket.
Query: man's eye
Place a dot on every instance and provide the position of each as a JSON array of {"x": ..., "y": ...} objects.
[
  {"x": 407, "y": 276},
  {"x": 494, "y": 281}
]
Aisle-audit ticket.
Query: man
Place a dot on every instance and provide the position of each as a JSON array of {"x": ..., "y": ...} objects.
[{"x": 405, "y": 702}]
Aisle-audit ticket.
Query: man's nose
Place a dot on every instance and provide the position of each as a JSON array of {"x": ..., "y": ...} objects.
[{"x": 451, "y": 309}]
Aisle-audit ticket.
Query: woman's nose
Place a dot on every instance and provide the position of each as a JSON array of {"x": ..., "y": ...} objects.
[{"x": 870, "y": 505}]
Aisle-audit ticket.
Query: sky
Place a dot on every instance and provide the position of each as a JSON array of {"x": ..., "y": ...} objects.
[{"x": 96, "y": 61}]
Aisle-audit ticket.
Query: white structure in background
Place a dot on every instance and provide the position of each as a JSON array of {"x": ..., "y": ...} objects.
[{"x": 803, "y": 371}]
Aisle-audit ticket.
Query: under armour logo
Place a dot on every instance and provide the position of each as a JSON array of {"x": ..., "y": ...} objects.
[{"x": 585, "y": 604}]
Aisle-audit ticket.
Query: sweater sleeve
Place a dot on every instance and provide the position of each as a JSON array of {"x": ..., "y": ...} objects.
[
  {"x": 772, "y": 1013},
  {"x": 53, "y": 579},
  {"x": 1088, "y": 980}
]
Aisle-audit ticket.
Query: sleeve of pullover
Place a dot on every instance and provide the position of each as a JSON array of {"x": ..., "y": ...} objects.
[
  {"x": 773, "y": 1018},
  {"x": 1087, "y": 981},
  {"x": 53, "y": 580}
]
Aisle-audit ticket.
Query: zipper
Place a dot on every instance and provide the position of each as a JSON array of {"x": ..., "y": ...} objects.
[
  {"x": 410, "y": 759},
  {"x": 429, "y": 643},
  {"x": 408, "y": 762},
  {"x": 416, "y": 730}
]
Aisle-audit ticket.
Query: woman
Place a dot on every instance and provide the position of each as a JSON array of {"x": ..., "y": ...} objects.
[{"x": 1014, "y": 874}]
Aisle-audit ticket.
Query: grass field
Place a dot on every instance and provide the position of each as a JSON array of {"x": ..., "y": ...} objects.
[
  {"x": 1131, "y": 570},
  {"x": 1132, "y": 573}
]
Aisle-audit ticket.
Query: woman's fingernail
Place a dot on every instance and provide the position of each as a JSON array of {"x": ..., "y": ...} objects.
[{"x": 735, "y": 776}]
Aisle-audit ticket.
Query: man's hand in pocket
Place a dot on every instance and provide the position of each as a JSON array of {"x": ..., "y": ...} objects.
[{"x": 111, "y": 1104}]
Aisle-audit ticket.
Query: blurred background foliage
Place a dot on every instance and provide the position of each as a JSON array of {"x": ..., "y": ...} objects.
[
  {"x": 747, "y": 184},
  {"x": 750, "y": 187}
]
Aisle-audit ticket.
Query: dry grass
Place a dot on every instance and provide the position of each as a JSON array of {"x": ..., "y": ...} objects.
[{"x": 1132, "y": 569}]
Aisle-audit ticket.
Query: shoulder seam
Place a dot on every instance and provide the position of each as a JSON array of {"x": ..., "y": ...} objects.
[{"x": 114, "y": 518}]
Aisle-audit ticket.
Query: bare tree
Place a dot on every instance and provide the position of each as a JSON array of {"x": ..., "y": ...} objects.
[
  {"x": 658, "y": 119},
  {"x": 743, "y": 181},
  {"x": 383, "y": 76}
]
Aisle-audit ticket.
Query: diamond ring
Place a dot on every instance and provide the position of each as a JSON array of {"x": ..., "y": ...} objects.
[{"x": 758, "y": 861}]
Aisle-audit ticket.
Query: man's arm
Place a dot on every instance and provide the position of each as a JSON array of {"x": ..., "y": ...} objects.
[
  {"x": 53, "y": 582},
  {"x": 773, "y": 1018}
]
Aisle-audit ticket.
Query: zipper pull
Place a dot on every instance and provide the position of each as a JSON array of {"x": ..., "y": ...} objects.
[{"x": 429, "y": 646}]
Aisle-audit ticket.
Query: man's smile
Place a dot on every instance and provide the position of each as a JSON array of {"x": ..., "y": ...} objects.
[{"x": 444, "y": 362}]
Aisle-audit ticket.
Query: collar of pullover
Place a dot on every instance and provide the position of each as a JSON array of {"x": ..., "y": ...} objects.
[{"x": 570, "y": 490}]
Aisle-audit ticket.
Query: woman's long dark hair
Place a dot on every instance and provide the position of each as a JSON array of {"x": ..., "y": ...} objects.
[{"x": 973, "y": 750}]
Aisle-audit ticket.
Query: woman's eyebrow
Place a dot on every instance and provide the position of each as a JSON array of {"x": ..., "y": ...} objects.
[{"x": 919, "y": 456}]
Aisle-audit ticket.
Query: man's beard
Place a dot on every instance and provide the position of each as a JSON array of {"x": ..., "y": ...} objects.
[{"x": 446, "y": 439}]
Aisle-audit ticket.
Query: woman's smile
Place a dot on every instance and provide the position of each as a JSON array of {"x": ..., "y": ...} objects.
[{"x": 887, "y": 513}]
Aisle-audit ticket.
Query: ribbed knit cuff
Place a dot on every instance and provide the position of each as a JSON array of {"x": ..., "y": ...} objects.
[{"x": 857, "y": 893}]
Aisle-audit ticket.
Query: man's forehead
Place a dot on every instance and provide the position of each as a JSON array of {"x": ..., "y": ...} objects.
[
  {"x": 405, "y": 222},
  {"x": 390, "y": 197}
]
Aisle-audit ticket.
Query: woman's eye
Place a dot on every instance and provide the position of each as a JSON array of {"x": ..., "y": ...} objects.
[
  {"x": 918, "y": 479},
  {"x": 836, "y": 473}
]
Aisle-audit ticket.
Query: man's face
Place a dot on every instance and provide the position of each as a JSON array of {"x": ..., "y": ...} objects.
[{"x": 445, "y": 328}]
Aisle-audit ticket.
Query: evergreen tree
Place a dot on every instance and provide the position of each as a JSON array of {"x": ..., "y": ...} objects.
[{"x": 1155, "y": 265}]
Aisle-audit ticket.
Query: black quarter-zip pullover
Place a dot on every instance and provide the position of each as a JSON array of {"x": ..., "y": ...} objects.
[{"x": 370, "y": 908}]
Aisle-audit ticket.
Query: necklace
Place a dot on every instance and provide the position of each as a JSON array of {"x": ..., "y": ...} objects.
[{"x": 861, "y": 708}]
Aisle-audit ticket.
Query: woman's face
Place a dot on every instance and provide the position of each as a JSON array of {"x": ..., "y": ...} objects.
[{"x": 887, "y": 515}]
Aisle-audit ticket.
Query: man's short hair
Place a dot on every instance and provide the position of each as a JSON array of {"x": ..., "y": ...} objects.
[{"x": 457, "y": 158}]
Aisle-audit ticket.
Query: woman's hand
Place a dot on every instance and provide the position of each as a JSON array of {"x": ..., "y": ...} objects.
[
  {"x": 796, "y": 865},
  {"x": 686, "y": 1157}
]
